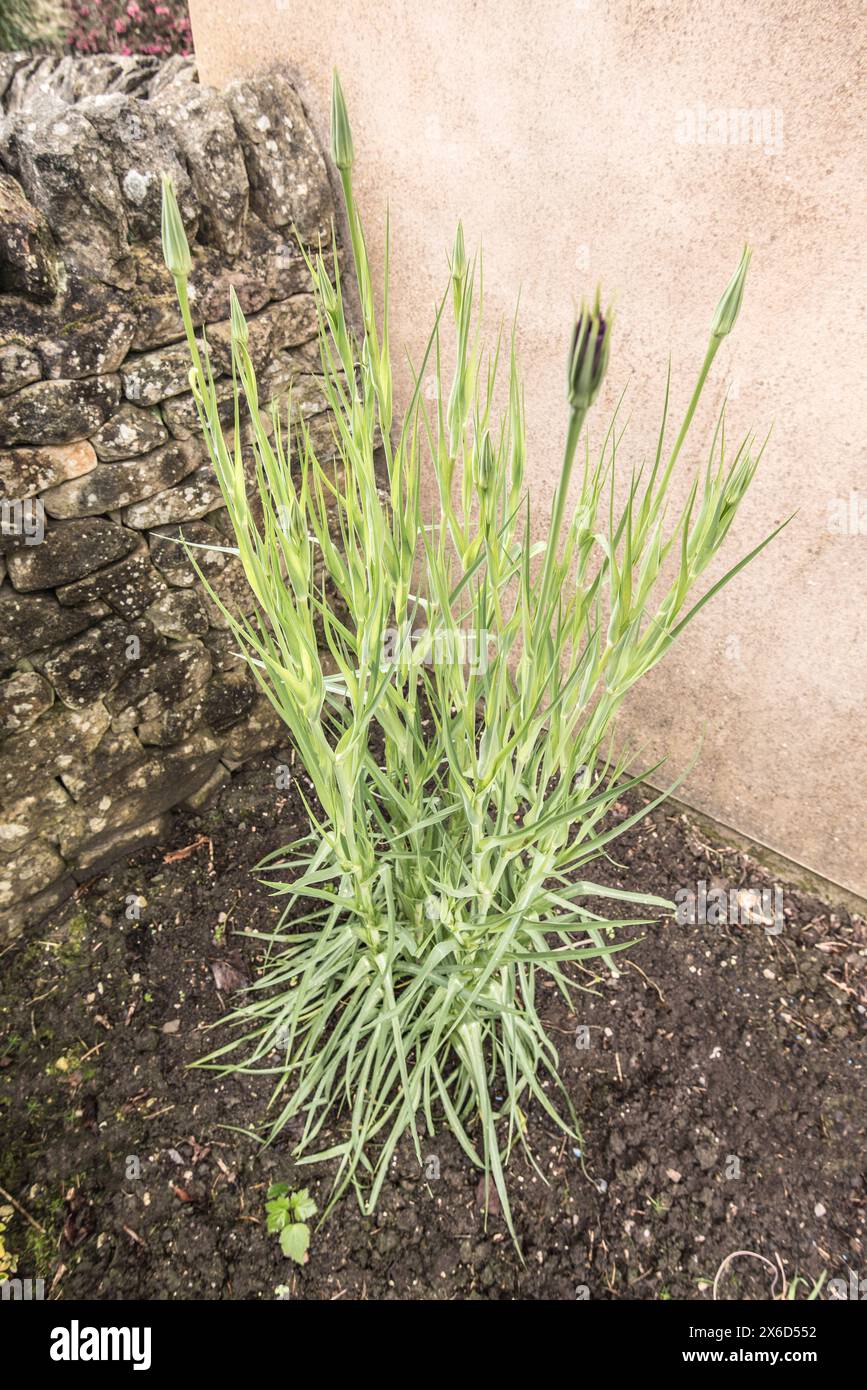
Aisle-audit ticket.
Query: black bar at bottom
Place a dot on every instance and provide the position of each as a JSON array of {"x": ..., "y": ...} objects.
[{"x": 194, "y": 1340}]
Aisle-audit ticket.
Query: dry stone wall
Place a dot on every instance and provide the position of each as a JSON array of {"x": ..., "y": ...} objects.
[{"x": 121, "y": 695}]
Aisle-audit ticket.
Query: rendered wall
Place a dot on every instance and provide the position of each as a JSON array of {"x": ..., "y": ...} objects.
[{"x": 640, "y": 144}]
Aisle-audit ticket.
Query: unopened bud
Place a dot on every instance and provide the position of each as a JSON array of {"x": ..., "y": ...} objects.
[
  {"x": 176, "y": 249},
  {"x": 342, "y": 151},
  {"x": 240, "y": 331},
  {"x": 588, "y": 356},
  {"x": 459, "y": 256},
  {"x": 729, "y": 306},
  {"x": 484, "y": 464}
]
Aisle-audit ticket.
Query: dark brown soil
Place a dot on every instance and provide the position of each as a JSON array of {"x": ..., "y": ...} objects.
[{"x": 722, "y": 1099}]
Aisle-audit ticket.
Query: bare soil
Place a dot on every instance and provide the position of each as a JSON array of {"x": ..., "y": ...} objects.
[{"x": 721, "y": 1097}]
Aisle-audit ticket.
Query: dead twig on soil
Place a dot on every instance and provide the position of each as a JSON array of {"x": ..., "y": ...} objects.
[
  {"x": 26, "y": 1214},
  {"x": 751, "y": 1255},
  {"x": 175, "y": 855},
  {"x": 647, "y": 978},
  {"x": 37, "y": 998},
  {"x": 84, "y": 889}
]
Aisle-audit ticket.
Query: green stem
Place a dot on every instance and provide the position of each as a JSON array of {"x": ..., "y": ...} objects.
[
  {"x": 362, "y": 267},
  {"x": 655, "y": 505},
  {"x": 187, "y": 319},
  {"x": 573, "y": 434},
  {"x": 687, "y": 419}
]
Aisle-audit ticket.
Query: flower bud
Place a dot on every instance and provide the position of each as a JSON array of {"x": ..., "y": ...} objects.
[
  {"x": 588, "y": 356},
  {"x": 176, "y": 250},
  {"x": 341, "y": 135},
  {"x": 458, "y": 262},
  {"x": 458, "y": 268},
  {"x": 484, "y": 464},
  {"x": 240, "y": 331},
  {"x": 729, "y": 306},
  {"x": 327, "y": 292}
]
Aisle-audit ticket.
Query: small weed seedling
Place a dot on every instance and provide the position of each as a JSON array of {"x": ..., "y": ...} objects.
[{"x": 288, "y": 1213}]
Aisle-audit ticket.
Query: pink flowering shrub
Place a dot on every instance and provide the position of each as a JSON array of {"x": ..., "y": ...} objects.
[{"x": 158, "y": 27}]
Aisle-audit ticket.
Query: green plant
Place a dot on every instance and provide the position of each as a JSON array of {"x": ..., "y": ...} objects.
[
  {"x": 16, "y": 26},
  {"x": 288, "y": 1213},
  {"x": 463, "y": 768},
  {"x": 35, "y": 24},
  {"x": 813, "y": 1289},
  {"x": 8, "y": 1261}
]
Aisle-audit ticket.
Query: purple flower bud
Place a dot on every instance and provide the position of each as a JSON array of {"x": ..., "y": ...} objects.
[{"x": 588, "y": 356}]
